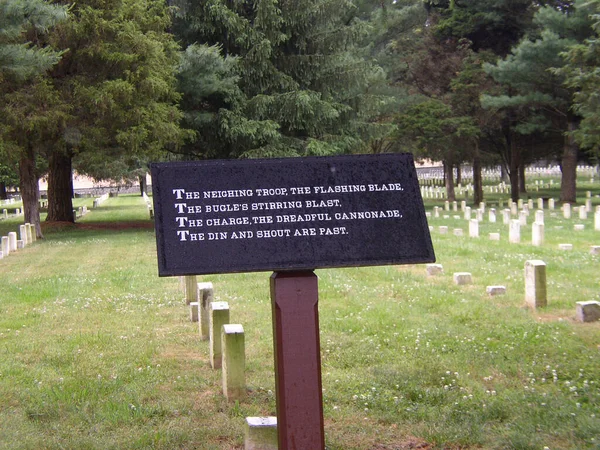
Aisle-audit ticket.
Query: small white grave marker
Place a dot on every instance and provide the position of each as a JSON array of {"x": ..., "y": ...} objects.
[
  {"x": 219, "y": 316},
  {"x": 537, "y": 233},
  {"x": 462, "y": 278},
  {"x": 535, "y": 283},
  {"x": 234, "y": 362},
  {"x": 12, "y": 241},
  {"x": 588, "y": 311},
  {"x": 473, "y": 228},
  {"x": 261, "y": 433},
  {"x": 514, "y": 232},
  {"x": 495, "y": 290},
  {"x": 434, "y": 269}
]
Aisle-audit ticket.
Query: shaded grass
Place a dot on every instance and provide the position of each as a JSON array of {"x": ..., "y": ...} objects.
[{"x": 96, "y": 351}]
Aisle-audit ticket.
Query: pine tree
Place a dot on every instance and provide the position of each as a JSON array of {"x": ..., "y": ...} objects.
[
  {"x": 18, "y": 19},
  {"x": 116, "y": 86},
  {"x": 582, "y": 75},
  {"x": 302, "y": 89},
  {"x": 24, "y": 57},
  {"x": 533, "y": 86}
]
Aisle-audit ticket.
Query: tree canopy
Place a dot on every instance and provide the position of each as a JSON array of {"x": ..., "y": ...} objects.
[{"x": 103, "y": 87}]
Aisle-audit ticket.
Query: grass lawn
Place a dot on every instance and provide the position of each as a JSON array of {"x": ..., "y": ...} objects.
[{"x": 97, "y": 351}]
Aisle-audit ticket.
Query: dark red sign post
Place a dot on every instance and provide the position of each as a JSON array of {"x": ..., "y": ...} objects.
[
  {"x": 295, "y": 296},
  {"x": 290, "y": 216}
]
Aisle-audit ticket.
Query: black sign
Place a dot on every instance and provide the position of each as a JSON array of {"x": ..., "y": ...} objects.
[{"x": 288, "y": 214}]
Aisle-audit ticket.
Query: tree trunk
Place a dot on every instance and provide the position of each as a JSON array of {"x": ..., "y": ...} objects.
[
  {"x": 449, "y": 180},
  {"x": 568, "y": 186},
  {"x": 143, "y": 185},
  {"x": 30, "y": 190},
  {"x": 477, "y": 180},
  {"x": 513, "y": 173},
  {"x": 60, "y": 188},
  {"x": 458, "y": 175},
  {"x": 3, "y": 194},
  {"x": 522, "y": 182}
]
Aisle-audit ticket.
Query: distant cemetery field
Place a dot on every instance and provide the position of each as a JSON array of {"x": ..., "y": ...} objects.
[{"x": 97, "y": 351}]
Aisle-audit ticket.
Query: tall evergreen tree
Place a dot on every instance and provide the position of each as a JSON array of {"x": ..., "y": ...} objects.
[
  {"x": 301, "y": 87},
  {"x": 24, "y": 57},
  {"x": 582, "y": 75},
  {"x": 116, "y": 85},
  {"x": 20, "y": 53},
  {"x": 532, "y": 85}
]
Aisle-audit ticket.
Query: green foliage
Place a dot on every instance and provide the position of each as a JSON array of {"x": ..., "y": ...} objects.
[
  {"x": 19, "y": 19},
  {"x": 582, "y": 74},
  {"x": 433, "y": 128},
  {"x": 527, "y": 72},
  {"x": 296, "y": 85},
  {"x": 489, "y": 24}
]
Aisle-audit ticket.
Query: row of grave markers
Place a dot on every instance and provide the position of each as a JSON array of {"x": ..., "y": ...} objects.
[
  {"x": 227, "y": 352},
  {"x": 514, "y": 235},
  {"x": 535, "y": 289},
  {"x": 11, "y": 244},
  {"x": 434, "y": 176}
]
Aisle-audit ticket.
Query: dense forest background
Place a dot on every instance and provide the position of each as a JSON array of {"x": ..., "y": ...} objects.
[{"x": 105, "y": 86}]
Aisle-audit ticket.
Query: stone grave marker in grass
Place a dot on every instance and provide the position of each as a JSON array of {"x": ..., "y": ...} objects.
[
  {"x": 473, "y": 228},
  {"x": 261, "y": 433},
  {"x": 588, "y": 311},
  {"x": 537, "y": 233},
  {"x": 23, "y": 234},
  {"x": 434, "y": 269},
  {"x": 205, "y": 297},
  {"x": 535, "y": 284},
  {"x": 5, "y": 246},
  {"x": 514, "y": 231},
  {"x": 12, "y": 241},
  {"x": 190, "y": 288},
  {"x": 289, "y": 216},
  {"x": 219, "y": 316},
  {"x": 234, "y": 361}
]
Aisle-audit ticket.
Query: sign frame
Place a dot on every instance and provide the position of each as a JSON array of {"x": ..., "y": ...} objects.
[{"x": 383, "y": 188}]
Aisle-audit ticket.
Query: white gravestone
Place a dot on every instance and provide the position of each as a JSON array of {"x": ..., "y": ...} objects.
[
  {"x": 434, "y": 269},
  {"x": 588, "y": 311},
  {"x": 12, "y": 241},
  {"x": 495, "y": 290},
  {"x": 535, "y": 283},
  {"x": 537, "y": 233},
  {"x": 514, "y": 232},
  {"x": 462, "y": 278},
  {"x": 539, "y": 216},
  {"x": 523, "y": 218},
  {"x": 473, "y": 228},
  {"x": 219, "y": 316}
]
